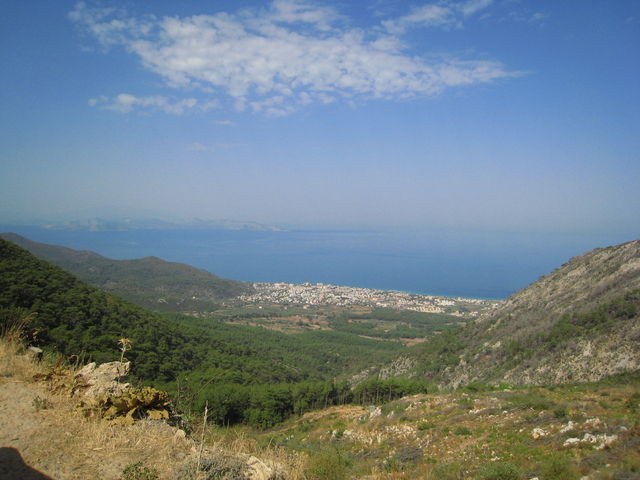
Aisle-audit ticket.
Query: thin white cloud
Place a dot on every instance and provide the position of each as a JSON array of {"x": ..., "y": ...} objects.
[
  {"x": 225, "y": 123},
  {"x": 292, "y": 11},
  {"x": 424, "y": 16},
  {"x": 125, "y": 103},
  {"x": 473, "y": 6},
  {"x": 110, "y": 26},
  {"x": 525, "y": 15},
  {"x": 538, "y": 17},
  {"x": 284, "y": 57},
  {"x": 197, "y": 147},
  {"x": 441, "y": 14}
]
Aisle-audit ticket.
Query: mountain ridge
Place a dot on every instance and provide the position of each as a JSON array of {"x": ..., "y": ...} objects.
[
  {"x": 150, "y": 282},
  {"x": 577, "y": 323}
]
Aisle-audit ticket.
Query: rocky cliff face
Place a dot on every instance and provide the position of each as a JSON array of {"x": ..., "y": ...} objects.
[
  {"x": 579, "y": 323},
  {"x": 580, "y": 285}
]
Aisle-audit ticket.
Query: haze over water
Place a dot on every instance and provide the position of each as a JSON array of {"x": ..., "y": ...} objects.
[
  {"x": 439, "y": 262},
  {"x": 455, "y": 122}
]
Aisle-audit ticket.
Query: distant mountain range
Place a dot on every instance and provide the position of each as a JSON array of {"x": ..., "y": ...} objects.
[
  {"x": 149, "y": 282},
  {"x": 124, "y": 224}
]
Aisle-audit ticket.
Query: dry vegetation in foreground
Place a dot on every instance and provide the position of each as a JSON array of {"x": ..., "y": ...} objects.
[
  {"x": 42, "y": 422},
  {"x": 570, "y": 432},
  {"x": 588, "y": 432}
]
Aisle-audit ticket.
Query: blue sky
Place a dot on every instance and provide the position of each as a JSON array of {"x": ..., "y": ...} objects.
[{"x": 499, "y": 114}]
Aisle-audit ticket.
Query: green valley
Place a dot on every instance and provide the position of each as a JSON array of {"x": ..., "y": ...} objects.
[{"x": 542, "y": 385}]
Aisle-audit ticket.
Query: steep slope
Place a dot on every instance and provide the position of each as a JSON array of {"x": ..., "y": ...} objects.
[
  {"x": 74, "y": 318},
  {"x": 579, "y": 323},
  {"x": 149, "y": 282}
]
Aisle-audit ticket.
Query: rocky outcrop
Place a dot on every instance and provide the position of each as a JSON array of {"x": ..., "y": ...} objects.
[
  {"x": 217, "y": 464},
  {"x": 584, "y": 361},
  {"x": 580, "y": 285},
  {"x": 498, "y": 344},
  {"x": 400, "y": 366},
  {"x": 579, "y": 323},
  {"x": 262, "y": 470},
  {"x": 105, "y": 379}
]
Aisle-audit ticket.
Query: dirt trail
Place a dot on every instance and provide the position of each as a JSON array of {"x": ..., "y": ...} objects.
[
  {"x": 44, "y": 435},
  {"x": 35, "y": 434},
  {"x": 54, "y": 439},
  {"x": 45, "y": 438}
]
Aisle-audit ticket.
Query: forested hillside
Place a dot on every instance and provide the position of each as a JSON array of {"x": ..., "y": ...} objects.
[
  {"x": 247, "y": 374},
  {"x": 149, "y": 282}
]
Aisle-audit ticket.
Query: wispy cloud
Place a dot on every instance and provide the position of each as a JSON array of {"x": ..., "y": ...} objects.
[
  {"x": 538, "y": 17},
  {"x": 524, "y": 14},
  {"x": 439, "y": 14},
  {"x": 288, "y": 55},
  {"x": 197, "y": 147},
  {"x": 290, "y": 11},
  {"x": 473, "y": 6},
  {"x": 125, "y": 103}
]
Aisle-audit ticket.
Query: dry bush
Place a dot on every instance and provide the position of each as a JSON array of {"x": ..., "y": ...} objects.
[
  {"x": 14, "y": 362},
  {"x": 233, "y": 442}
]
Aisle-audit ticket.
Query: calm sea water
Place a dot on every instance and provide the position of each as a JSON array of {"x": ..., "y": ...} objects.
[{"x": 439, "y": 262}]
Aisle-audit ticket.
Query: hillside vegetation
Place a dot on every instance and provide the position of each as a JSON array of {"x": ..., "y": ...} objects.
[
  {"x": 570, "y": 432},
  {"x": 246, "y": 374},
  {"x": 149, "y": 282},
  {"x": 523, "y": 407},
  {"x": 579, "y": 323}
]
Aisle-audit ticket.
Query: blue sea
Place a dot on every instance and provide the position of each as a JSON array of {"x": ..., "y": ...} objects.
[{"x": 474, "y": 264}]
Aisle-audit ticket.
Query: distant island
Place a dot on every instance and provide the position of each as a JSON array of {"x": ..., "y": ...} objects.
[{"x": 96, "y": 224}]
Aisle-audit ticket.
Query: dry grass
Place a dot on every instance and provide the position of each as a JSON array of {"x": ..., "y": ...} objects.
[
  {"x": 291, "y": 464},
  {"x": 13, "y": 362},
  {"x": 154, "y": 443},
  {"x": 54, "y": 437},
  {"x": 41, "y": 420}
]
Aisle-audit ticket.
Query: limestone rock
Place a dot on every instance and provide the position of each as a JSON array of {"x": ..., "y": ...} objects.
[
  {"x": 568, "y": 427},
  {"x": 261, "y": 470},
  {"x": 571, "y": 442},
  {"x": 603, "y": 440},
  {"x": 538, "y": 433},
  {"x": 374, "y": 411},
  {"x": 104, "y": 379},
  {"x": 34, "y": 353}
]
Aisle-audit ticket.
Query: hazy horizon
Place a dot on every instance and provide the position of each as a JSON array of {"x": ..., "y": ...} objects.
[
  {"x": 468, "y": 263},
  {"x": 475, "y": 114}
]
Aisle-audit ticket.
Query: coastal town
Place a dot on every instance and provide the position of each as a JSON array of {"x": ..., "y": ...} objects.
[{"x": 320, "y": 294}]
